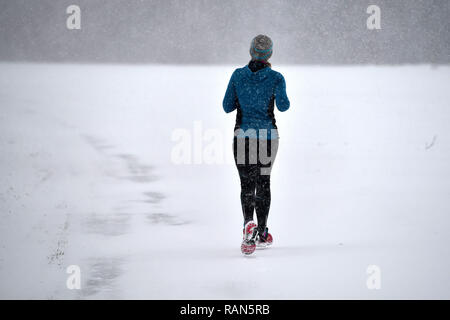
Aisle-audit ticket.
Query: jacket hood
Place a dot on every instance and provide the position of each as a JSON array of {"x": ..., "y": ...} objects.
[{"x": 257, "y": 75}]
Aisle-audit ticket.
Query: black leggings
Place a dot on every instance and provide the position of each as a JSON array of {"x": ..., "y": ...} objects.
[{"x": 254, "y": 159}]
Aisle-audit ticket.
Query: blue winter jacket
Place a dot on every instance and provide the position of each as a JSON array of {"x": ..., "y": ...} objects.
[{"x": 253, "y": 95}]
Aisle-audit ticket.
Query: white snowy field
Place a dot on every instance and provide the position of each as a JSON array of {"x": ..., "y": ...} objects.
[{"x": 362, "y": 177}]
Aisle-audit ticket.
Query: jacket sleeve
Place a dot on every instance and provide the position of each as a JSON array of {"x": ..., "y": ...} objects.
[
  {"x": 230, "y": 100},
  {"x": 280, "y": 94}
]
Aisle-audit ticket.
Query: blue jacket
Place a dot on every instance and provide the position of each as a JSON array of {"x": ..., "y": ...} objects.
[{"x": 253, "y": 95}]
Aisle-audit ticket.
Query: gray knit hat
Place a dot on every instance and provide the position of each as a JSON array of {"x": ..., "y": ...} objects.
[{"x": 261, "y": 48}]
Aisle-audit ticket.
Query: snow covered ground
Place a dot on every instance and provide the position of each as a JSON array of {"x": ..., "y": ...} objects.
[{"x": 89, "y": 178}]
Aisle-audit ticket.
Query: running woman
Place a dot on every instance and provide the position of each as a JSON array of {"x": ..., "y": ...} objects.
[{"x": 252, "y": 92}]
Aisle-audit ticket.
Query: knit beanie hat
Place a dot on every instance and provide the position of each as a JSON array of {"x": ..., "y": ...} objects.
[{"x": 261, "y": 48}]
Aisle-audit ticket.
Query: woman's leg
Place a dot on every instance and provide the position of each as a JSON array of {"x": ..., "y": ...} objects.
[
  {"x": 248, "y": 176},
  {"x": 248, "y": 186},
  {"x": 263, "y": 196},
  {"x": 262, "y": 201}
]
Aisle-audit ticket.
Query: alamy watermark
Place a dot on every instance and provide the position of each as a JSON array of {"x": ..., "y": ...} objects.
[
  {"x": 199, "y": 146},
  {"x": 374, "y": 20},
  {"x": 73, "y": 281},
  {"x": 373, "y": 282},
  {"x": 73, "y": 21}
]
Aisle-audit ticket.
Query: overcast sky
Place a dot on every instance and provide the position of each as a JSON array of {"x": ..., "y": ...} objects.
[{"x": 218, "y": 31}]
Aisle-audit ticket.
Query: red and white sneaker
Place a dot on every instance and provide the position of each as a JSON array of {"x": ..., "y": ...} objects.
[
  {"x": 248, "y": 245},
  {"x": 264, "y": 240}
]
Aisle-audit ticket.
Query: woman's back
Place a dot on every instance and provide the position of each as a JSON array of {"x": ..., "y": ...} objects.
[{"x": 253, "y": 94}]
